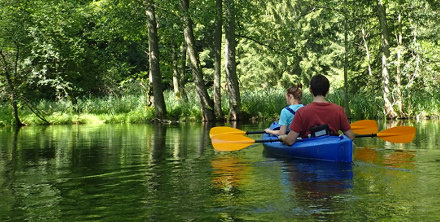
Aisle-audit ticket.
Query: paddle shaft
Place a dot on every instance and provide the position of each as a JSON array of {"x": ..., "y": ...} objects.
[
  {"x": 267, "y": 141},
  {"x": 367, "y": 135},
  {"x": 254, "y": 132},
  {"x": 276, "y": 140}
]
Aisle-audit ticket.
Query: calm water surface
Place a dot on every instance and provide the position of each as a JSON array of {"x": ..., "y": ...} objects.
[{"x": 171, "y": 173}]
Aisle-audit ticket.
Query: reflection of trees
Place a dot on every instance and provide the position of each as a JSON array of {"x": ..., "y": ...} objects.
[
  {"x": 81, "y": 169},
  {"x": 8, "y": 168},
  {"x": 204, "y": 137},
  {"x": 158, "y": 144},
  {"x": 27, "y": 171}
]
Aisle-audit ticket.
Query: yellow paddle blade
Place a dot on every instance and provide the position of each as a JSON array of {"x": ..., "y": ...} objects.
[
  {"x": 364, "y": 127},
  {"x": 218, "y": 130},
  {"x": 231, "y": 142},
  {"x": 398, "y": 134}
]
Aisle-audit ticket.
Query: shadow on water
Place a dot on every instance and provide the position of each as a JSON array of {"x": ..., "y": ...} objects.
[
  {"x": 317, "y": 187},
  {"x": 314, "y": 180}
]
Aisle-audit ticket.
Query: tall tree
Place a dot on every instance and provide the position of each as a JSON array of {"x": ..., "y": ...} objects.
[
  {"x": 218, "y": 59},
  {"x": 13, "y": 48},
  {"x": 176, "y": 77},
  {"x": 399, "y": 55},
  {"x": 346, "y": 102},
  {"x": 381, "y": 13},
  {"x": 206, "y": 103},
  {"x": 182, "y": 71},
  {"x": 159, "y": 102},
  {"x": 10, "y": 82},
  {"x": 230, "y": 61}
]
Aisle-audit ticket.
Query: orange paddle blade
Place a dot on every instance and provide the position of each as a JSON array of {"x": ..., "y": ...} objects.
[
  {"x": 219, "y": 130},
  {"x": 398, "y": 134},
  {"x": 364, "y": 127},
  {"x": 231, "y": 142}
]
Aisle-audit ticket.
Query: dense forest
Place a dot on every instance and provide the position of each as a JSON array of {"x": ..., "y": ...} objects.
[{"x": 211, "y": 60}]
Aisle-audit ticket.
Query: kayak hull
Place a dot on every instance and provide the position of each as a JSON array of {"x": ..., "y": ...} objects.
[{"x": 327, "y": 148}]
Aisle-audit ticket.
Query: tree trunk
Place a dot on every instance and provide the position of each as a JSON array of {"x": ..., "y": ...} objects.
[
  {"x": 182, "y": 73},
  {"x": 230, "y": 63},
  {"x": 207, "y": 105},
  {"x": 367, "y": 52},
  {"x": 159, "y": 102},
  {"x": 398, "y": 68},
  {"x": 381, "y": 13},
  {"x": 416, "y": 56},
  {"x": 176, "y": 83},
  {"x": 346, "y": 106},
  {"x": 11, "y": 87},
  {"x": 217, "y": 60}
]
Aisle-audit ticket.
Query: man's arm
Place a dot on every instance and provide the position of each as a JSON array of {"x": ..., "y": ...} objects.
[
  {"x": 349, "y": 134},
  {"x": 290, "y": 138},
  {"x": 281, "y": 131}
]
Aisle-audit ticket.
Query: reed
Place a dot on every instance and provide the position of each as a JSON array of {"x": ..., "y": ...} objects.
[
  {"x": 361, "y": 106},
  {"x": 257, "y": 105}
]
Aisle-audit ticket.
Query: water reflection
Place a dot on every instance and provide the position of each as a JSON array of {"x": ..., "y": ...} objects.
[
  {"x": 157, "y": 148},
  {"x": 204, "y": 137},
  {"x": 229, "y": 173},
  {"x": 87, "y": 170},
  {"x": 171, "y": 173}
]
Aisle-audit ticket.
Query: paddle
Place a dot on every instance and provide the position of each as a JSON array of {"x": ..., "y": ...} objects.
[
  {"x": 358, "y": 127},
  {"x": 364, "y": 127},
  {"x": 220, "y": 130},
  {"x": 234, "y": 142},
  {"x": 398, "y": 134}
]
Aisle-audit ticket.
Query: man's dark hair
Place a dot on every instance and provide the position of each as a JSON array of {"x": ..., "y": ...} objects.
[{"x": 319, "y": 85}]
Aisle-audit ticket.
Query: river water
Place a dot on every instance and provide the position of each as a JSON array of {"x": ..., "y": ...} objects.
[{"x": 171, "y": 173}]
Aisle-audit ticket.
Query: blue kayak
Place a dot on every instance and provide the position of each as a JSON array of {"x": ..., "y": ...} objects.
[{"x": 328, "y": 148}]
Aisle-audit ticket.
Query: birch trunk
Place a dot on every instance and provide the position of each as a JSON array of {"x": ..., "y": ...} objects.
[
  {"x": 381, "y": 13},
  {"x": 398, "y": 68},
  {"x": 176, "y": 84},
  {"x": 367, "y": 51}
]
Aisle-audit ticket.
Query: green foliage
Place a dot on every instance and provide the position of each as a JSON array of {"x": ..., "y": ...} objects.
[{"x": 75, "y": 58}]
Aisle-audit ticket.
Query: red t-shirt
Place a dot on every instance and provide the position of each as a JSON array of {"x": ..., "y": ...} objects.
[{"x": 317, "y": 113}]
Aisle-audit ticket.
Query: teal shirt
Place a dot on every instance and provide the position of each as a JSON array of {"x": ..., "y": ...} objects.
[{"x": 286, "y": 116}]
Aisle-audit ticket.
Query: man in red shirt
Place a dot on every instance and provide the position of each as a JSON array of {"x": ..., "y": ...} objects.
[{"x": 317, "y": 113}]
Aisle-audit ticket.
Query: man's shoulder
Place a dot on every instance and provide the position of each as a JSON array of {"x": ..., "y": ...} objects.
[
  {"x": 336, "y": 106},
  {"x": 321, "y": 106}
]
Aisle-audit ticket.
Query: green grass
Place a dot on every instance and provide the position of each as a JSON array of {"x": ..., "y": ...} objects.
[{"x": 256, "y": 105}]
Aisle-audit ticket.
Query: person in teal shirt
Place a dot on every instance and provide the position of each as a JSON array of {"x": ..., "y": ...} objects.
[{"x": 293, "y": 98}]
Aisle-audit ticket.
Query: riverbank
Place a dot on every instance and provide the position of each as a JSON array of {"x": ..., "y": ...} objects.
[{"x": 256, "y": 106}]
